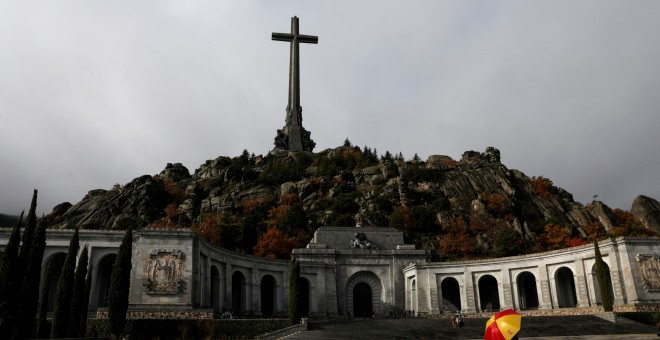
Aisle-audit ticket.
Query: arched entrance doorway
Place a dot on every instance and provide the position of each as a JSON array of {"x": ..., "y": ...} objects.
[
  {"x": 238, "y": 293},
  {"x": 215, "y": 288},
  {"x": 356, "y": 285},
  {"x": 362, "y": 304},
  {"x": 303, "y": 288},
  {"x": 103, "y": 279},
  {"x": 451, "y": 295},
  {"x": 527, "y": 293},
  {"x": 267, "y": 295},
  {"x": 489, "y": 295},
  {"x": 565, "y": 284},
  {"x": 608, "y": 283}
]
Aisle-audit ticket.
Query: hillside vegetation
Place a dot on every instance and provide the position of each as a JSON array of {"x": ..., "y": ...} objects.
[{"x": 474, "y": 207}]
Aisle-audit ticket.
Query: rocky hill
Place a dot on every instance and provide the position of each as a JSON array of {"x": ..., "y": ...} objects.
[{"x": 472, "y": 207}]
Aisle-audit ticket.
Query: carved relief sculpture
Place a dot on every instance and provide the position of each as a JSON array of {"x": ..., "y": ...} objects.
[
  {"x": 649, "y": 267},
  {"x": 163, "y": 271}
]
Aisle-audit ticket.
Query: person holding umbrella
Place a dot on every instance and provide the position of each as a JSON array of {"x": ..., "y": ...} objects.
[{"x": 504, "y": 325}]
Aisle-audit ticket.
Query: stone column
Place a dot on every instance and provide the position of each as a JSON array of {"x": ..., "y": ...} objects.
[
  {"x": 543, "y": 288},
  {"x": 506, "y": 300},
  {"x": 468, "y": 302},
  {"x": 615, "y": 273},
  {"x": 255, "y": 293},
  {"x": 581, "y": 285},
  {"x": 515, "y": 299},
  {"x": 628, "y": 262},
  {"x": 553, "y": 292},
  {"x": 432, "y": 292},
  {"x": 228, "y": 287},
  {"x": 249, "y": 290},
  {"x": 282, "y": 293},
  {"x": 330, "y": 294}
]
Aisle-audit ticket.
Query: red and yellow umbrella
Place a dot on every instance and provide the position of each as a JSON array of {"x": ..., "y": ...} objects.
[{"x": 503, "y": 325}]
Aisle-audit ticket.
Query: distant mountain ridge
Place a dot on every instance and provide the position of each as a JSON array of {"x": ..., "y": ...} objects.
[{"x": 472, "y": 207}]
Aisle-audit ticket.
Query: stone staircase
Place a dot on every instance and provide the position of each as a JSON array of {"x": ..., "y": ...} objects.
[{"x": 576, "y": 327}]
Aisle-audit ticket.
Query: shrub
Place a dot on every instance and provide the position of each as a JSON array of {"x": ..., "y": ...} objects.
[{"x": 542, "y": 186}]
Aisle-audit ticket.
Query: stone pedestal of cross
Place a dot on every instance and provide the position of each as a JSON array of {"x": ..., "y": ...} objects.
[{"x": 294, "y": 137}]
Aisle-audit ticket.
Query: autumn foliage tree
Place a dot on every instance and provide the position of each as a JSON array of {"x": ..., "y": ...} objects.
[
  {"x": 557, "y": 237},
  {"x": 594, "y": 231},
  {"x": 274, "y": 244},
  {"x": 542, "y": 186},
  {"x": 628, "y": 225},
  {"x": 457, "y": 242}
]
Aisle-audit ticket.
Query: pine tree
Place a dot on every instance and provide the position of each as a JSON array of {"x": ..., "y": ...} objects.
[
  {"x": 120, "y": 282},
  {"x": 30, "y": 288},
  {"x": 294, "y": 292},
  {"x": 9, "y": 279},
  {"x": 605, "y": 295},
  {"x": 64, "y": 292},
  {"x": 78, "y": 308}
]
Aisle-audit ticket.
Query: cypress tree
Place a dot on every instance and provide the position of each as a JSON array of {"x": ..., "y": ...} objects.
[
  {"x": 28, "y": 234},
  {"x": 83, "y": 318},
  {"x": 64, "y": 292},
  {"x": 605, "y": 296},
  {"x": 77, "y": 307},
  {"x": 294, "y": 291},
  {"x": 30, "y": 289},
  {"x": 10, "y": 279},
  {"x": 16, "y": 304},
  {"x": 120, "y": 282}
]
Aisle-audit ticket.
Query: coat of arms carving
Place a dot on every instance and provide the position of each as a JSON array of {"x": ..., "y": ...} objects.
[
  {"x": 163, "y": 271},
  {"x": 649, "y": 267}
]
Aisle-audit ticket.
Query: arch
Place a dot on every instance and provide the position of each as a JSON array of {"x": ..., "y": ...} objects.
[
  {"x": 489, "y": 294},
  {"x": 51, "y": 277},
  {"x": 215, "y": 289},
  {"x": 303, "y": 288},
  {"x": 374, "y": 284},
  {"x": 267, "y": 295},
  {"x": 450, "y": 300},
  {"x": 238, "y": 293},
  {"x": 527, "y": 293},
  {"x": 413, "y": 295},
  {"x": 362, "y": 304},
  {"x": 608, "y": 283},
  {"x": 565, "y": 284},
  {"x": 103, "y": 274}
]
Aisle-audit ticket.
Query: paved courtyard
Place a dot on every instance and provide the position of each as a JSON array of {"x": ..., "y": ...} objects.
[{"x": 577, "y": 327}]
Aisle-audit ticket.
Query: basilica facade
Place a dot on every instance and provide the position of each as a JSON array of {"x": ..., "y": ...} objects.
[{"x": 356, "y": 272}]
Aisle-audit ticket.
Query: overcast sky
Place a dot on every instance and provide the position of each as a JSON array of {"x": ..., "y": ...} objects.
[{"x": 94, "y": 93}]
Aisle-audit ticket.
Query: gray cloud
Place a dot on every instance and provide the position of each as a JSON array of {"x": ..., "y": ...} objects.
[{"x": 97, "y": 93}]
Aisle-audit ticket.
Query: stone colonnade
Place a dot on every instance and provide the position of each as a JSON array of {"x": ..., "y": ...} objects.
[
  {"x": 551, "y": 280},
  {"x": 176, "y": 274}
]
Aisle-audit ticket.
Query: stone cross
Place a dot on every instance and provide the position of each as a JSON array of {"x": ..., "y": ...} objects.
[{"x": 293, "y": 137}]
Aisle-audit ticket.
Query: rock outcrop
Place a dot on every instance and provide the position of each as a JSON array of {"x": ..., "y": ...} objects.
[
  {"x": 344, "y": 187},
  {"x": 647, "y": 211}
]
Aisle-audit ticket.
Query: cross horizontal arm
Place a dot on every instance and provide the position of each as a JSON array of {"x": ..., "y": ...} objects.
[
  {"x": 310, "y": 39},
  {"x": 283, "y": 36}
]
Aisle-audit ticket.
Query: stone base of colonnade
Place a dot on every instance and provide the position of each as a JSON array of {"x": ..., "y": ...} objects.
[{"x": 161, "y": 313}]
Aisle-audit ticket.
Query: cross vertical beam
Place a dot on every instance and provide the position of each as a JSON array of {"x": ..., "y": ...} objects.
[{"x": 294, "y": 137}]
